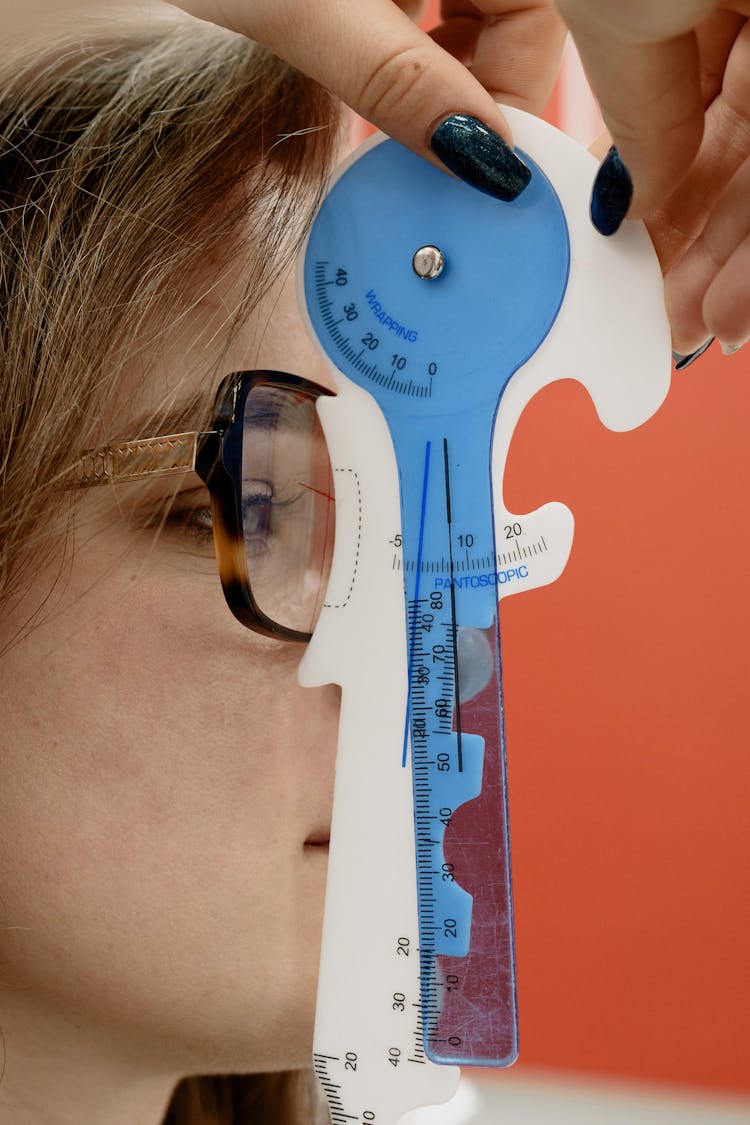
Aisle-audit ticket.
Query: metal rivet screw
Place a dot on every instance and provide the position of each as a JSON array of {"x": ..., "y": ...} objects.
[{"x": 428, "y": 262}]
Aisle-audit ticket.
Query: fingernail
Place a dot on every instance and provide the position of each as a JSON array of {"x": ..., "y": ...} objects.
[
  {"x": 683, "y": 361},
  {"x": 730, "y": 349},
  {"x": 612, "y": 193},
  {"x": 480, "y": 157}
]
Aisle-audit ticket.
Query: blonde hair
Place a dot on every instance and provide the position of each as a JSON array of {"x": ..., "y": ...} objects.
[
  {"x": 135, "y": 168},
  {"x": 131, "y": 163}
]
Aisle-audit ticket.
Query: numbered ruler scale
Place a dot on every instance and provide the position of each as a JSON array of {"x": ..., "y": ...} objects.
[{"x": 441, "y": 312}]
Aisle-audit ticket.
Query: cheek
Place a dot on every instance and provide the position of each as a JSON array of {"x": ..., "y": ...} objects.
[{"x": 153, "y": 824}]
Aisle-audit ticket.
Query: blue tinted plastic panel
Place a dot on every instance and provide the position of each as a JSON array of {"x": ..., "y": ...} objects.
[{"x": 437, "y": 354}]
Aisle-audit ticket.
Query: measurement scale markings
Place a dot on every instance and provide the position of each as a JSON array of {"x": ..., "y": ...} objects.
[
  {"x": 371, "y": 372},
  {"x": 416, "y": 595},
  {"x": 336, "y": 1106},
  {"x": 453, "y": 626},
  {"x": 418, "y": 1046},
  {"x": 540, "y": 547}
]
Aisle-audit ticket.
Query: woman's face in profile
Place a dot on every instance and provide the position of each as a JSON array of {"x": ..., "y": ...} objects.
[{"x": 165, "y": 786}]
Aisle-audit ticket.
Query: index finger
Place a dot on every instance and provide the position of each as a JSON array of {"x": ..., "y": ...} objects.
[{"x": 371, "y": 55}]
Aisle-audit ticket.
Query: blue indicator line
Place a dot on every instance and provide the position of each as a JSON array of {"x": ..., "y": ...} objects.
[{"x": 413, "y": 637}]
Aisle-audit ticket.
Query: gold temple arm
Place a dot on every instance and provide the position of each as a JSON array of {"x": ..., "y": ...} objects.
[{"x": 134, "y": 460}]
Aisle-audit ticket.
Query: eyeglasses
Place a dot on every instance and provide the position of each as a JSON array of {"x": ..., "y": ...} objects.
[{"x": 266, "y": 465}]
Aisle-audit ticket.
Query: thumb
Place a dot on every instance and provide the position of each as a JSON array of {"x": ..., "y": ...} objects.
[
  {"x": 645, "y": 73},
  {"x": 381, "y": 64}
]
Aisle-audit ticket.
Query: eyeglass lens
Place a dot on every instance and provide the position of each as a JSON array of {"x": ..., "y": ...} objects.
[{"x": 287, "y": 505}]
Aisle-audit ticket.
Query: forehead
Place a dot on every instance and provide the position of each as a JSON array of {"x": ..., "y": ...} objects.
[
  {"x": 281, "y": 334},
  {"x": 185, "y": 371}
]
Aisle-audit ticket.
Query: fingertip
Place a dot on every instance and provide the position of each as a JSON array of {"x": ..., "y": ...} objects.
[
  {"x": 487, "y": 110},
  {"x": 682, "y": 360},
  {"x": 649, "y": 93},
  {"x": 612, "y": 194},
  {"x": 479, "y": 156}
]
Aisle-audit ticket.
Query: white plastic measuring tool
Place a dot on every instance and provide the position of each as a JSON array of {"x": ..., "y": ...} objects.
[{"x": 441, "y": 312}]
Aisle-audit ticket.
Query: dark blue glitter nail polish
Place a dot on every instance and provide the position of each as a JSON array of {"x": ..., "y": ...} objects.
[
  {"x": 683, "y": 361},
  {"x": 613, "y": 191},
  {"x": 480, "y": 157}
]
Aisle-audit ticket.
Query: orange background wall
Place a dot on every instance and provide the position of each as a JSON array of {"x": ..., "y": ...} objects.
[{"x": 628, "y": 725}]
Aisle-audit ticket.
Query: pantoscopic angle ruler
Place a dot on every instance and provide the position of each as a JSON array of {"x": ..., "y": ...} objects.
[{"x": 441, "y": 312}]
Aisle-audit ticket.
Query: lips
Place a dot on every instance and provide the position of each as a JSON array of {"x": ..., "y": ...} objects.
[{"x": 320, "y": 838}]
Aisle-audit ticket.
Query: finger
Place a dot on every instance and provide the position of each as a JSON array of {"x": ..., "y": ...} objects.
[
  {"x": 414, "y": 9},
  {"x": 458, "y": 37},
  {"x": 716, "y": 37},
  {"x": 725, "y": 147},
  {"x": 601, "y": 145},
  {"x": 707, "y": 268},
  {"x": 459, "y": 30},
  {"x": 650, "y": 98},
  {"x": 643, "y": 63},
  {"x": 373, "y": 57},
  {"x": 513, "y": 48},
  {"x": 728, "y": 316},
  {"x": 518, "y": 52}
]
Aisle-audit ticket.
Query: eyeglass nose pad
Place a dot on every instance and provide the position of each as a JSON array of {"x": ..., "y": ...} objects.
[{"x": 364, "y": 602}]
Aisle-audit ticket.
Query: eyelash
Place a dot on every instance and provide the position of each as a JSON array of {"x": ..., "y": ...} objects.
[{"x": 197, "y": 524}]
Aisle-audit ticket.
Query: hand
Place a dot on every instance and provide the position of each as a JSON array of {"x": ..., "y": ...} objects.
[
  {"x": 673, "y": 81},
  {"x": 372, "y": 55}
]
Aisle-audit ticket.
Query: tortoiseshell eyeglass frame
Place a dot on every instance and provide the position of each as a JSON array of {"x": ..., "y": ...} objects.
[{"x": 216, "y": 456}]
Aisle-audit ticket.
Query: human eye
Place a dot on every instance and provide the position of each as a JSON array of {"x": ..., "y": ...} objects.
[
  {"x": 195, "y": 523},
  {"x": 269, "y": 518},
  {"x": 263, "y": 514},
  {"x": 186, "y": 515},
  {"x": 257, "y": 516}
]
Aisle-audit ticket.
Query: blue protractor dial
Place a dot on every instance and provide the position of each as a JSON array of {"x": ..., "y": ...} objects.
[{"x": 430, "y": 296}]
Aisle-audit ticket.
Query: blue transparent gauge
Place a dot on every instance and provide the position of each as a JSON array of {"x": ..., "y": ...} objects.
[{"x": 437, "y": 354}]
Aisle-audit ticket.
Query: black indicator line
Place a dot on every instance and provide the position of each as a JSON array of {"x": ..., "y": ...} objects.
[
  {"x": 453, "y": 608},
  {"x": 447, "y": 493}
]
